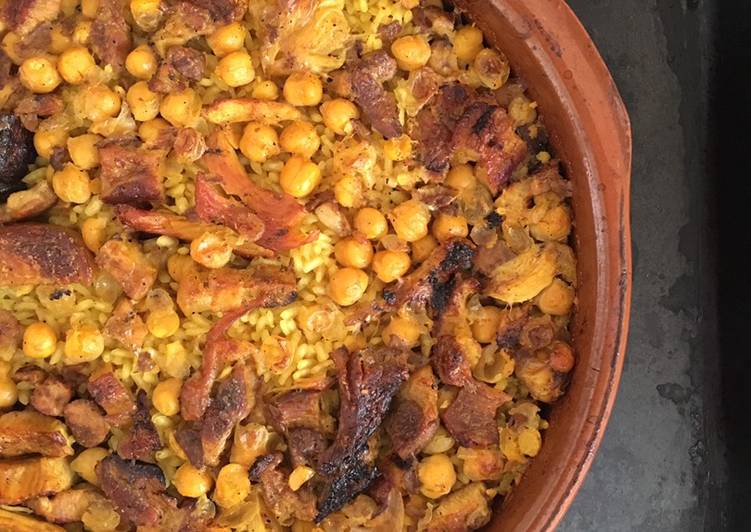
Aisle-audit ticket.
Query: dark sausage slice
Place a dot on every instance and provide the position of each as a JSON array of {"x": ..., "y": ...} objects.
[
  {"x": 16, "y": 154},
  {"x": 32, "y": 253}
]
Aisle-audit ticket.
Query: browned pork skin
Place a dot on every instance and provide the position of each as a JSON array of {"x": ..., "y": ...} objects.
[
  {"x": 67, "y": 506},
  {"x": 25, "y": 478},
  {"x": 471, "y": 416},
  {"x": 214, "y": 207},
  {"x": 112, "y": 396},
  {"x": 377, "y": 104},
  {"x": 414, "y": 419},
  {"x": 142, "y": 440},
  {"x": 368, "y": 381},
  {"x": 130, "y": 174},
  {"x": 27, "y": 432},
  {"x": 128, "y": 265},
  {"x": 32, "y": 253}
]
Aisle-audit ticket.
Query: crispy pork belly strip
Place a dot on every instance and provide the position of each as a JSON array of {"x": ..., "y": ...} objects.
[
  {"x": 29, "y": 203},
  {"x": 86, "y": 422},
  {"x": 214, "y": 207},
  {"x": 128, "y": 265},
  {"x": 32, "y": 253},
  {"x": 26, "y": 478},
  {"x": 110, "y": 35},
  {"x": 225, "y": 289},
  {"x": 232, "y": 110},
  {"x": 19, "y": 522},
  {"x": 471, "y": 416},
  {"x": 280, "y": 212},
  {"x": 29, "y": 432},
  {"x": 22, "y": 16},
  {"x": 368, "y": 381},
  {"x": 170, "y": 224},
  {"x": 67, "y": 506},
  {"x": 112, "y": 396},
  {"x": 414, "y": 419}
]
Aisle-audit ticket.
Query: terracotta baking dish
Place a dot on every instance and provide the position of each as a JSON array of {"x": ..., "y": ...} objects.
[{"x": 548, "y": 47}]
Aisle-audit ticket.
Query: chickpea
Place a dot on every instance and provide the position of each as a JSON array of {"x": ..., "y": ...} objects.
[
  {"x": 460, "y": 177},
  {"x": 348, "y": 191},
  {"x": 85, "y": 463},
  {"x": 391, "y": 265},
  {"x": 75, "y": 64},
  {"x": 485, "y": 324},
  {"x": 83, "y": 151},
  {"x": 353, "y": 252},
  {"x": 143, "y": 102},
  {"x": 303, "y": 89},
  {"x": 93, "y": 232},
  {"x": 182, "y": 108},
  {"x": 436, "y": 475},
  {"x": 347, "y": 286},
  {"x": 422, "y": 249},
  {"x": 265, "y": 90},
  {"x": 447, "y": 226},
  {"x": 401, "y": 332},
  {"x": 178, "y": 266},
  {"x": 83, "y": 343},
  {"x": 150, "y": 130},
  {"x": 8, "y": 393},
  {"x": 146, "y": 13},
  {"x": 191, "y": 482},
  {"x": 141, "y": 63},
  {"x": 338, "y": 115},
  {"x": 89, "y": 8},
  {"x": 46, "y": 140},
  {"x": 491, "y": 68},
  {"x": 411, "y": 52},
  {"x": 71, "y": 184},
  {"x": 212, "y": 249},
  {"x": 398, "y": 148},
  {"x": 299, "y": 176},
  {"x": 299, "y": 476},
  {"x": 529, "y": 441},
  {"x": 555, "y": 225},
  {"x": 236, "y": 69},
  {"x": 39, "y": 340},
  {"x": 467, "y": 43},
  {"x": 163, "y": 323},
  {"x": 371, "y": 223},
  {"x": 39, "y": 75},
  {"x": 410, "y": 220},
  {"x": 232, "y": 485},
  {"x": 556, "y": 299},
  {"x": 101, "y": 103},
  {"x": 300, "y": 138},
  {"x": 227, "y": 39},
  {"x": 259, "y": 142},
  {"x": 166, "y": 397}
]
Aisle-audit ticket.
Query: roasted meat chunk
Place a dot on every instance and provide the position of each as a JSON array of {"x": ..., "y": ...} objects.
[
  {"x": 126, "y": 326},
  {"x": 545, "y": 372},
  {"x": 21, "y": 522},
  {"x": 86, "y": 422},
  {"x": 23, "y": 16},
  {"x": 295, "y": 409},
  {"x": 377, "y": 104},
  {"x": 128, "y": 265},
  {"x": 16, "y": 154},
  {"x": 305, "y": 446},
  {"x": 29, "y": 432},
  {"x": 285, "y": 503},
  {"x": 414, "y": 419},
  {"x": 11, "y": 333},
  {"x": 464, "y": 509},
  {"x": 67, "y": 506},
  {"x": 25, "y": 478},
  {"x": 112, "y": 396},
  {"x": 32, "y": 253},
  {"x": 213, "y": 206},
  {"x": 110, "y": 34},
  {"x": 470, "y": 418},
  {"x": 142, "y": 440},
  {"x": 368, "y": 380},
  {"x": 181, "y": 66},
  {"x": 51, "y": 396},
  {"x": 130, "y": 174},
  {"x": 26, "y": 204}
]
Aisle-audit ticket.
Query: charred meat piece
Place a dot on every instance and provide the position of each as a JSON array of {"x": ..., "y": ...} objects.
[
  {"x": 51, "y": 396},
  {"x": 377, "y": 104},
  {"x": 281, "y": 213},
  {"x": 110, "y": 35},
  {"x": 450, "y": 362},
  {"x": 222, "y": 11},
  {"x": 33, "y": 253},
  {"x": 470, "y": 418},
  {"x": 126, "y": 326},
  {"x": 233, "y": 402},
  {"x": 414, "y": 419},
  {"x": 130, "y": 174},
  {"x": 511, "y": 325},
  {"x": 137, "y": 490},
  {"x": 368, "y": 381},
  {"x": 112, "y": 396},
  {"x": 142, "y": 441},
  {"x": 29, "y": 203},
  {"x": 11, "y": 333},
  {"x": 295, "y": 409},
  {"x": 33, "y": 107},
  {"x": 395, "y": 476},
  {"x": 305, "y": 446},
  {"x": 22, "y": 16},
  {"x": 67, "y": 506},
  {"x": 25, "y": 478},
  {"x": 170, "y": 224},
  {"x": 214, "y": 207},
  {"x": 128, "y": 265},
  {"x": 464, "y": 509},
  {"x": 284, "y": 502},
  {"x": 26, "y": 432},
  {"x": 225, "y": 289},
  {"x": 188, "y": 437},
  {"x": 489, "y": 258},
  {"x": 545, "y": 372},
  {"x": 86, "y": 422},
  {"x": 181, "y": 66}
]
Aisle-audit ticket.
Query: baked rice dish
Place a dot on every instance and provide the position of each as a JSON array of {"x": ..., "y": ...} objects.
[{"x": 265, "y": 265}]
